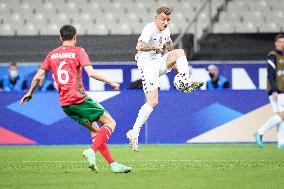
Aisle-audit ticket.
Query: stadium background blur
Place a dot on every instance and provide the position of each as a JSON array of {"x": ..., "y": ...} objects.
[{"x": 236, "y": 35}]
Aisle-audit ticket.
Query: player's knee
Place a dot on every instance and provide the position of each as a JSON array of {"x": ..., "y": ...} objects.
[
  {"x": 112, "y": 124},
  {"x": 175, "y": 54},
  {"x": 153, "y": 103},
  {"x": 281, "y": 115},
  {"x": 179, "y": 52}
]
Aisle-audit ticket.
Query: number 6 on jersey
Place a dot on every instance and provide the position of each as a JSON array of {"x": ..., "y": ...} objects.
[{"x": 61, "y": 72}]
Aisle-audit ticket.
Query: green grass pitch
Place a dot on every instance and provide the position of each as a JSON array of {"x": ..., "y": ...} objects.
[{"x": 155, "y": 166}]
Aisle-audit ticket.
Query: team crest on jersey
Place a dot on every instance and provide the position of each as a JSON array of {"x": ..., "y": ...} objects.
[{"x": 161, "y": 40}]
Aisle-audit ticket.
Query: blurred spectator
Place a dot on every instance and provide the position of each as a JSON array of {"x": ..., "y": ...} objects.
[
  {"x": 216, "y": 80},
  {"x": 13, "y": 81}
]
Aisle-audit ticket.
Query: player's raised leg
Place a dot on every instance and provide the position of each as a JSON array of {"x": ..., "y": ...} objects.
[{"x": 177, "y": 59}]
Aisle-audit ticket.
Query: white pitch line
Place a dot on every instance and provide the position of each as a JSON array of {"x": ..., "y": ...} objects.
[{"x": 155, "y": 160}]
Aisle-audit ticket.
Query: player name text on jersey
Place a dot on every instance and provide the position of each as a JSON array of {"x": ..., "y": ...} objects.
[{"x": 62, "y": 55}]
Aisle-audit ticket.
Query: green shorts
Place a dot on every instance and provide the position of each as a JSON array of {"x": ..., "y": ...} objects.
[{"x": 88, "y": 110}]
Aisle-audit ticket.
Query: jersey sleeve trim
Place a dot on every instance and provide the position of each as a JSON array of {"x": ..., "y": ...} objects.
[{"x": 271, "y": 64}]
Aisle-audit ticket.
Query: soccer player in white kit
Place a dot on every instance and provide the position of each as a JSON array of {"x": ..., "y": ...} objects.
[
  {"x": 152, "y": 64},
  {"x": 275, "y": 90}
]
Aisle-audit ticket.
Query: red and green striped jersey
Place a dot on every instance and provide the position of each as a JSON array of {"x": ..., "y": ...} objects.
[{"x": 66, "y": 63}]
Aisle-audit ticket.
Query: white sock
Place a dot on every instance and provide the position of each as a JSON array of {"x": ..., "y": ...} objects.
[
  {"x": 280, "y": 133},
  {"x": 272, "y": 122},
  {"x": 142, "y": 117},
  {"x": 182, "y": 65}
]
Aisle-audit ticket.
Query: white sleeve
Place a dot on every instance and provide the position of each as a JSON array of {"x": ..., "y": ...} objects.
[
  {"x": 168, "y": 37},
  {"x": 146, "y": 34}
]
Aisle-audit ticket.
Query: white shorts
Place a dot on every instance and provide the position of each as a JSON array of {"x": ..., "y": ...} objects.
[
  {"x": 150, "y": 70},
  {"x": 279, "y": 105}
]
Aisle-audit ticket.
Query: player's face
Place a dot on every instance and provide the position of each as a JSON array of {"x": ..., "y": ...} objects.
[
  {"x": 13, "y": 71},
  {"x": 213, "y": 73},
  {"x": 280, "y": 44},
  {"x": 162, "y": 21}
]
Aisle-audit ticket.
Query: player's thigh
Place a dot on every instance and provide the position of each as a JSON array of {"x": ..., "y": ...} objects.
[
  {"x": 278, "y": 106},
  {"x": 68, "y": 111},
  {"x": 164, "y": 66},
  {"x": 85, "y": 122},
  {"x": 88, "y": 111},
  {"x": 173, "y": 56},
  {"x": 149, "y": 73},
  {"x": 171, "y": 59}
]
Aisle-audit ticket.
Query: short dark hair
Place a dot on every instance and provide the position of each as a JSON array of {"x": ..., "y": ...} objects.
[
  {"x": 279, "y": 36},
  {"x": 67, "y": 32},
  {"x": 164, "y": 9},
  {"x": 13, "y": 64}
]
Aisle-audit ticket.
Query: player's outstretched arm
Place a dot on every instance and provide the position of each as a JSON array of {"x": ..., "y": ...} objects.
[
  {"x": 93, "y": 74},
  {"x": 34, "y": 84}
]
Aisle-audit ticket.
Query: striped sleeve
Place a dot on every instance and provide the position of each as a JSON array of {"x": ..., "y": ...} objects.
[{"x": 271, "y": 71}]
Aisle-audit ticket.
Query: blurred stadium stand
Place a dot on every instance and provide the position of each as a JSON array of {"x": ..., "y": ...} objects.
[
  {"x": 235, "y": 46},
  {"x": 30, "y": 24},
  {"x": 99, "y": 48}
]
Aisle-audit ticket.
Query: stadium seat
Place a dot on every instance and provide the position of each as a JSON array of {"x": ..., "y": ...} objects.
[
  {"x": 227, "y": 17},
  {"x": 22, "y": 8},
  {"x": 98, "y": 29},
  {"x": 27, "y": 29},
  {"x": 6, "y": 30},
  {"x": 36, "y": 19},
  {"x": 85, "y": 19},
  {"x": 121, "y": 29},
  {"x": 46, "y": 9},
  {"x": 269, "y": 28},
  {"x": 14, "y": 20},
  {"x": 59, "y": 19},
  {"x": 223, "y": 28},
  {"x": 50, "y": 29},
  {"x": 245, "y": 28}
]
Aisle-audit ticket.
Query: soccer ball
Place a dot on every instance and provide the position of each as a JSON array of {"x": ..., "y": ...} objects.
[{"x": 182, "y": 81}]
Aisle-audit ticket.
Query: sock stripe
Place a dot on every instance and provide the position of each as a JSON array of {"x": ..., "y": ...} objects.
[{"x": 107, "y": 129}]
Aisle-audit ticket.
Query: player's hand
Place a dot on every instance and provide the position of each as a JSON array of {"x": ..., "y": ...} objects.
[
  {"x": 26, "y": 98},
  {"x": 158, "y": 49},
  {"x": 115, "y": 86},
  {"x": 275, "y": 96}
]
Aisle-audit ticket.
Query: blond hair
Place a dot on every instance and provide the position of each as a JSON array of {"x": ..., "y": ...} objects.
[{"x": 164, "y": 9}]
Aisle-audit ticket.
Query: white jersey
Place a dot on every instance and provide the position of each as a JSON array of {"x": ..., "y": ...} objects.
[{"x": 153, "y": 36}]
